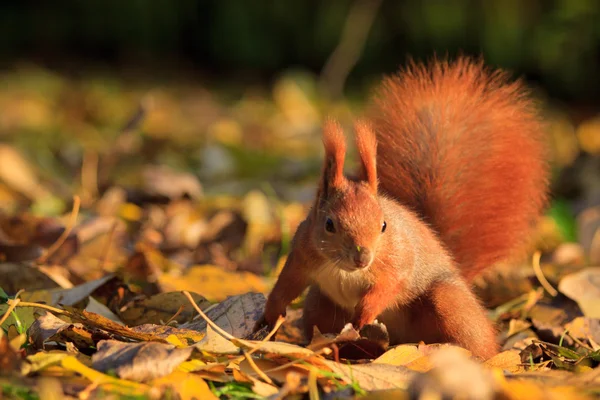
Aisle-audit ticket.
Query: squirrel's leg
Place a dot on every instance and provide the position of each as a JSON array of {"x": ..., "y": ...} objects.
[
  {"x": 462, "y": 320},
  {"x": 322, "y": 312},
  {"x": 290, "y": 284},
  {"x": 375, "y": 301}
]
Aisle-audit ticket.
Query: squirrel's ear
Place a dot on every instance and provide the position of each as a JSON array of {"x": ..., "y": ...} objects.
[
  {"x": 335, "y": 151},
  {"x": 366, "y": 144}
]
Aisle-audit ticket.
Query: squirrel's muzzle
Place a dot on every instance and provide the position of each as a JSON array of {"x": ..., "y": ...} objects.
[{"x": 362, "y": 257}]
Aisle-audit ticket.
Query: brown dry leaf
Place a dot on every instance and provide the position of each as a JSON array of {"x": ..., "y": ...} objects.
[
  {"x": 509, "y": 360},
  {"x": 10, "y": 360},
  {"x": 292, "y": 330},
  {"x": 584, "y": 288},
  {"x": 67, "y": 297},
  {"x": 49, "y": 328},
  {"x": 237, "y": 315},
  {"x": 17, "y": 173},
  {"x": 14, "y": 277},
  {"x": 138, "y": 361},
  {"x": 160, "y": 308},
  {"x": 164, "y": 181},
  {"x": 516, "y": 326},
  {"x": 259, "y": 387},
  {"x": 188, "y": 386},
  {"x": 273, "y": 369},
  {"x": 584, "y": 328},
  {"x": 214, "y": 343},
  {"x": 373, "y": 376},
  {"x": 10, "y": 252},
  {"x": 214, "y": 283},
  {"x": 184, "y": 336}
]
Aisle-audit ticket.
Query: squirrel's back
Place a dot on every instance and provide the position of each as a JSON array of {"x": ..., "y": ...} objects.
[{"x": 463, "y": 146}]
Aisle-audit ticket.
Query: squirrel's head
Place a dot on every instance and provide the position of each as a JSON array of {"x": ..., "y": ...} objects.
[{"x": 348, "y": 221}]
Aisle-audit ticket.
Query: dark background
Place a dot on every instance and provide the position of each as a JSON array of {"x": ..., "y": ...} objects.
[{"x": 553, "y": 43}]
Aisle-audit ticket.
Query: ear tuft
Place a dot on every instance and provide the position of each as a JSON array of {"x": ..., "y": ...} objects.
[
  {"x": 366, "y": 144},
  {"x": 335, "y": 151}
]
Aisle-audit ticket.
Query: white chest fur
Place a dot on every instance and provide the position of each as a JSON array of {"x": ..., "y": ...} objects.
[{"x": 345, "y": 288}]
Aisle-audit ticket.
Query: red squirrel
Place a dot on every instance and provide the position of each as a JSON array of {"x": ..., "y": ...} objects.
[{"x": 452, "y": 178}]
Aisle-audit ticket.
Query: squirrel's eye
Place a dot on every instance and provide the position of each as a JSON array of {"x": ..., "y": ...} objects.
[
  {"x": 383, "y": 227},
  {"x": 329, "y": 227}
]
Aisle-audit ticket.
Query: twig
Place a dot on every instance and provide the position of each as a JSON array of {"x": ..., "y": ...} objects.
[
  {"x": 56, "y": 245},
  {"x": 346, "y": 54},
  {"x": 111, "y": 233},
  {"x": 181, "y": 308},
  {"x": 324, "y": 350},
  {"x": 208, "y": 321},
  {"x": 540, "y": 275},
  {"x": 313, "y": 389},
  {"x": 255, "y": 368},
  {"x": 46, "y": 307},
  {"x": 89, "y": 176},
  {"x": 11, "y": 306}
]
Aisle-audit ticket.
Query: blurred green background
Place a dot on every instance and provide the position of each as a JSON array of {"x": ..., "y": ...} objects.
[
  {"x": 233, "y": 91},
  {"x": 555, "y": 43}
]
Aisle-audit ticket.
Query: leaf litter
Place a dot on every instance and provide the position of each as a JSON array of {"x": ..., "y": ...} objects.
[{"x": 148, "y": 283}]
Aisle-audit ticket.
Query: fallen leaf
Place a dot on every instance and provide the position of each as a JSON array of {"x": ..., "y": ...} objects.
[
  {"x": 49, "y": 328},
  {"x": 67, "y": 297},
  {"x": 186, "y": 336},
  {"x": 400, "y": 355},
  {"x": 216, "y": 344},
  {"x": 14, "y": 277},
  {"x": 162, "y": 307},
  {"x": 214, "y": 283},
  {"x": 453, "y": 375},
  {"x": 10, "y": 360},
  {"x": 138, "y": 361},
  {"x": 236, "y": 315},
  {"x": 509, "y": 360},
  {"x": 104, "y": 382},
  {"x": 584, "y": 288},
  {"x": 188, "y": 386},
  {"x": 373, "y": 376},
  {"x": 584, "y": 328}
]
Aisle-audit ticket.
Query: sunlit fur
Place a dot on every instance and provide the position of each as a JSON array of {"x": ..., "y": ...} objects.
[{"x": 465, "y": 149}]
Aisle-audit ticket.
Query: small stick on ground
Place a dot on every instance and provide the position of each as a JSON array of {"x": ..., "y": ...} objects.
[
  {"x": 540, "y": 275},
  {"x": 56, "y": 245}
]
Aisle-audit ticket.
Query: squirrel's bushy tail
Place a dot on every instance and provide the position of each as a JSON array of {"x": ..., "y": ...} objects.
[{"x": 463, "y": 146}]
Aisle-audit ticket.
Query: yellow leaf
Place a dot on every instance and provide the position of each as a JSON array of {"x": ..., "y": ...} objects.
[
  {"x": 400, "y": 355},
  {"x": 588, "y": 134},
  {"x": 130, "y": 212},
  {"x": 106, "y": 382},
  {"x": 191, "y": 365},
  {"x": 189, "y": 386},
  {"x": 214, "y": 283},
  {"x": 509, "y": 360}
]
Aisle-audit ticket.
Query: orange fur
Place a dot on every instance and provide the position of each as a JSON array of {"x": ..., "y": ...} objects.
[
  {"x": 366, "y": 144},
  {"x": 463, "y": 147},
  {"x": 462, "y": 178}
]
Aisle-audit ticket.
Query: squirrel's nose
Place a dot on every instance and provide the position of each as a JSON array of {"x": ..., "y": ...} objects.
[{"x": 362, "y": 257}]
